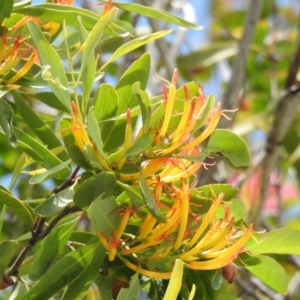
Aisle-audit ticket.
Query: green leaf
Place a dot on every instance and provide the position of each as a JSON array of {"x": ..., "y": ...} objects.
[
  {"x": 55, "y": 203},
  {"x": 104, "y": 215},
  {"x": 99, "y": 185},
  {"x": 51, "y": 173},
  {"x": 6, "y": 118},
  {"x": 156, "y": 14},
  {"x": 8, "y": 250},
  {"x": 145, "y": 105},
  {"x": 6, "y": 8},
  {"x": 40, "y": 153},
  {"x": 89, "y": 70},
  {"x": 94, "y": 132},
  {"x": 51, "y": 100},
  {"x": 56, "y": 75},
  {"x": 79, "y": 287},
  {"x": 149, "y": 201},
  {"x": 225, "y": 143},
  {"x": 271, "y": 273},
  {"x": 78, "y": 157},
  {"x": 139, "y": 145},
  {"x": 49, "y": 249},
  {"x": 279, "y": 241},
  {"x": 40, "y": 128},
  {"x": 17, "y": 206},
  {"x": 65, "y": 271},
  {"x": 133, "y": 44},
  {"x": 133, "y": 292},
  {"x": 237, "y": 210},
  {"x": 95, "y": 36}
]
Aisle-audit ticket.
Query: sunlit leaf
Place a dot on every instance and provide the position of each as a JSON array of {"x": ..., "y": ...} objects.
[
  {"x": 49, "y": 57},
  {"x": 139, "y": 145},
  {"x": 6, "y": 8},
  {"x": 271, "y": 273}
]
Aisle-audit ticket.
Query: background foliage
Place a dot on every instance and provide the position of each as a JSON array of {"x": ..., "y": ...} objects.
[{"x": 258, "y": 43}]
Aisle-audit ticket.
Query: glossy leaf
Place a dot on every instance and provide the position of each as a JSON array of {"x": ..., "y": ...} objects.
[
  {"x": 79, "y": 287},
  {"x": 236, "y": 150},
  {"x": 50, "y": 58},
  {"x": 17, "y": 206},
  {"x": 8, "y": 250},
  {"x": 6, "y": 118},
  {"x": 144, "y": 104},
  {"x": 271, "y": 273},
  {"x": 149, "y": 201},
  {"x": 104, "y": 215},
  {"x": 133, "y": 291},
  {"x": 88, "y": 72},
  {"x": 55, "y": 203},
  {"x": 40, "y": 128},
  {"x": 65, "y": 271},
  {"x": 279, "y": 241},
  {"x": 49, "y": 249},
  {"x": 156, "y": 14},
  {"x": 95, "y": 36},
  {"x": 51, "y": 173},
  {"x": 140, "y": 145},
  {"x": 133, "y": 44},
  {"x": 99, "y": 185}
]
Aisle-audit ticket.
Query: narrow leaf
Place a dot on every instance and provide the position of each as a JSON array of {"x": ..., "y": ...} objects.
[
  {"x": 6, "y": 118},
  {"x": 133, "y": 44},
  {"x": 139, "y": 145},
  {"x": 49, "y": 57},
  {"x": 17, "y": 206},
  {"x": 65, "y": 271},
  {"x": 49, "y": 249}
]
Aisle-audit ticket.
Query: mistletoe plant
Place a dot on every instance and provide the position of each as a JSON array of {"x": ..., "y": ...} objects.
[{"x": 126, "y": 214}]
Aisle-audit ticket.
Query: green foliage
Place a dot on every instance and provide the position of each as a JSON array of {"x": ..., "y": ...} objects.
[{"x": 107, "y": 204}]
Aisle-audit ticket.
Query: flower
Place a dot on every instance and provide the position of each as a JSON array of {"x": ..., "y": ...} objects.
[
  {"x": 201, "y": 240},
  {"x": 13, "y": 52}
]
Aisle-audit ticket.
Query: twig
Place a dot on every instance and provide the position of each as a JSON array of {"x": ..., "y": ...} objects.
[
  {"x": 37, "y": 232},
  {"x": 231, "y": 95}
]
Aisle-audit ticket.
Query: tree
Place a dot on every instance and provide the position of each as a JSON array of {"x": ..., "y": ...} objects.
[{"x": 111, "y": 193}]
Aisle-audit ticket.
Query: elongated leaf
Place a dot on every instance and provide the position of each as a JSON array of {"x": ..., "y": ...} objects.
[
  {"x": 161, "y": 15},
  {"x": 51, "y": 173},
  {"x": 149, "y": 201},
  {"x": 40, "y": 153},
  {"x": 99, "y": 185},
  {"x": 8, "y": 250},
  {"x": 133, "y": 44},
  {"x": 89, "y": 70},
  {"x": 40, "y": 128},
  {"x": 133, "y": 291},
  {"x": 6, "y": 8},
  {"x": 279, "y": 241},
  {"x": 145, "y": 105},
  {"x": 271, "y": 273},
  {"x": 79, "y": 287},
  {"x": 104, "y": 215},
  {"x": 95, "y": 36},
  {"x": 225, "y": 143},
  {"x": 6, "y": 117},
  {"x": 94, "y": 132},
  {"x": 65, "y": 271},
  {"x": 55, "y": 203},
  {"x": 140, "y": 145},
  {"x": 57, "y": 77},
  {"x": 49, "y": 249},
  {"x": 17, "y": 206}
]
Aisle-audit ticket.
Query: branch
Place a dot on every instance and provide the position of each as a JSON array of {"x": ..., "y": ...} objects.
[{"x": 231, "y": 95}]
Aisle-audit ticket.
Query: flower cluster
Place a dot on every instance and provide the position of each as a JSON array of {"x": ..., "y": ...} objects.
[{"x": 199, "y": 238}]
